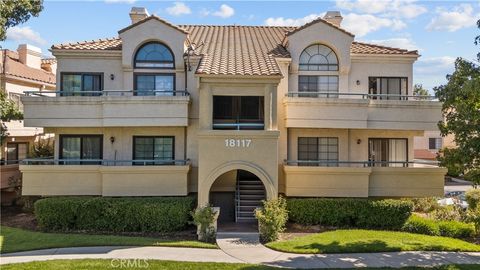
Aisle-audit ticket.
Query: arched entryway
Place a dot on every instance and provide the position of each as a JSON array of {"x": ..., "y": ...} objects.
[{"x": 237, "y": 193}]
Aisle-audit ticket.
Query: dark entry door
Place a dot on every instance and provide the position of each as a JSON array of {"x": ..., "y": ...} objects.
[{"x": 226, "y": 202}]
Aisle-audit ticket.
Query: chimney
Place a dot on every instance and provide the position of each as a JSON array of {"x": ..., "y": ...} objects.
[
  {"x": 138, "y": 13},
  {"x": 30, "y": 55},
  {"x": 333, "y": 17}
]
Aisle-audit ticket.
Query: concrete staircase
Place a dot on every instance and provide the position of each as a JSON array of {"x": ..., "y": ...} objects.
[{"x": 248, "y": 196}]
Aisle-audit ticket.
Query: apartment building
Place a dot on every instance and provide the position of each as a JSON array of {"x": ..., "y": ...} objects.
[
  {"x": 21, "y": 70},
  {"x": 428, "y": 146},
  {"x": 234, "y": 114}
]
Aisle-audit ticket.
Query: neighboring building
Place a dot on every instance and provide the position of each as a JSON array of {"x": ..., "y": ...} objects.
[
  {"x": 428, "y": 146},
  {"x": 234, "y": 114},
  {"x": 20, "y": 71}
]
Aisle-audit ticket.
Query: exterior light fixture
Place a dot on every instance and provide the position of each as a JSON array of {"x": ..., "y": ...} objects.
[
  {"x": 358, "y": 82},
  {"x": 112, "y": 77},
  {"x": 359, "y": 141},
  {"x": 112, "y": 139}
]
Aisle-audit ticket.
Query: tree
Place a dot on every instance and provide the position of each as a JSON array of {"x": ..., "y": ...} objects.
[
  {"x": 418, "y": 90},
  {"x": 14, "y": 12},
  {"x": 461, "y": 111},
  {"x": 9, "y": 112}
]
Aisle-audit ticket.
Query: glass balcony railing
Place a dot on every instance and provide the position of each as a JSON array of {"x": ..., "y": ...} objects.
[
  {"x": 106, "y": 162},
  {"x": 367, "y": 163}
]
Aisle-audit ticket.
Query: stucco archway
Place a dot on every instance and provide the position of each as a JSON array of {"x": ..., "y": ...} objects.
[{"x": 206, "y": 184}]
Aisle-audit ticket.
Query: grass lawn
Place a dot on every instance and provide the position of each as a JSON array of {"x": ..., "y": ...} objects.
[
  {"x": 157, "y": 265},
  {"x": 351, "y": 241},
  {"x": 13, "y": 239}
]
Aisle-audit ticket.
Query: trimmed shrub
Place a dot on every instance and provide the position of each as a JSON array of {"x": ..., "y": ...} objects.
[
  {"x": 155, "y": 214},
  {"x": 455, "y": 229},
  {"x": 359, "y": 213},
  {"x": 472, "y": 196},
  {"x": 272, "y": 218},
  {"x": 417, "y": 224},
  {"x": 204, "y": 217}
]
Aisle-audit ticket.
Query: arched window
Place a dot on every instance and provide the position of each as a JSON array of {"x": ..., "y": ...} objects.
[
  {"x": 318, "y": 58},
  {"x": 154, "y": 55}
]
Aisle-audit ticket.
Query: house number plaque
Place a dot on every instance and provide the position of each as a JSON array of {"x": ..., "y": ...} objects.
[{"x": 238, "y": 143}]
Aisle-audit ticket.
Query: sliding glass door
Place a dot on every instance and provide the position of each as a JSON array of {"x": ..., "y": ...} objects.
[
  {"x": 388, "y": 152},
  {"x": 81, "y": 147},
  {"x": 154, "y": 84}
]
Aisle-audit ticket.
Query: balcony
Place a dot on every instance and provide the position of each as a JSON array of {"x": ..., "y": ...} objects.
[
  {"x": 107, "y": 108},
  {"x": 363, "y": 179},
  {"x": 356, "y": 110},
  {"x": 47, "y": 177}
]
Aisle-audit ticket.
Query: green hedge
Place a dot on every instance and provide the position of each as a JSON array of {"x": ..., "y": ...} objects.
[
  {"x": 455, "y": 229},
  {"x": 359, "y": 213},
  {"x": 156, "y": 214}
]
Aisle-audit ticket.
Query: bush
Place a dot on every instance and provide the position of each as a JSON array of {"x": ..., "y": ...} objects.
[
  {"x": 204, "y": 217},
  {"x": 156, "y": 214},
  {"x": 473, "y": 215},
  {"x": 417, "y": 224},
  {"x": 272, "y": 219},
  {"x": 472, "y": 196},
  {"x": 425, "y": 205},
  {"x": 448, "y": 213},
  {"x": 359, "y": 213},
  {"x": 455, "y": 229}
]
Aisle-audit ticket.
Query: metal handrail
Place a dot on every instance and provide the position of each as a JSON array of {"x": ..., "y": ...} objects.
[
  {"x": 106, "y": 93},
  {"x": 366, "y": 163},
  {"x": 237, "y": 126},
  {"x": 362, "y": 95},
  {"x": 105, "y": 162}
]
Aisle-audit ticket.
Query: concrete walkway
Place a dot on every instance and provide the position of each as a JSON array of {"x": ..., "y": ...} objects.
[
  {"x": 150, "y": 253},
  {"x": 245, "y": 248}
]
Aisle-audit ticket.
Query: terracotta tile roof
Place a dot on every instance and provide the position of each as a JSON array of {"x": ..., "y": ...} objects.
[
  {"x": 366, "y": 48},
  {"x": 237, "y": 50},
  {"x": 52, "y": 60},
  {"x": 424, "y": 154},
  {"x": 99, "y": 44},
  {"x": 10, "y": 65}
]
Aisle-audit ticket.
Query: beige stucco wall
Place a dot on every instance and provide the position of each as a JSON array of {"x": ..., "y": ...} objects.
[
  {"x": 52, "y": 180},
  {"x": 361, "y": 113},
  {"x": 406, "y": 182},
  {"x": 363, "y": 182},
  {"x": 106, "y": 111},
  {"x": 326, "y": 181},
  {"x": 215, "y": 158}
]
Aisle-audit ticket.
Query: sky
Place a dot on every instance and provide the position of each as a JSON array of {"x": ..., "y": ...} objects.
[{"x": 440, "y": 30}]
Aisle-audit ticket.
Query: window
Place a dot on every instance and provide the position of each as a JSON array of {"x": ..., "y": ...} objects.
[
  {"x": 326, "y": 84},
  {"x": 154, "y": 84},
  {"x": 16, "y": 152},
  {"x": 159, "y": 148},
  {"x": 318, "y": 149},
  {"x": 78, "y": 147},
  {"x": 382, "y": 86},
  {"x": 388, "y": 152},
  {"x": 154, "y": 55},
  {"x": 238, "y": 112},
  {"x": 318, "y": 58},
  {"x": 434, "y": 143},
  {"x": 73, "y": 84}
]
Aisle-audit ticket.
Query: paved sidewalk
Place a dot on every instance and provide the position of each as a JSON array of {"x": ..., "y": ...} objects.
[
  {"x": 247, "y": 248},
  {"x": 150, "y": 253}
]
